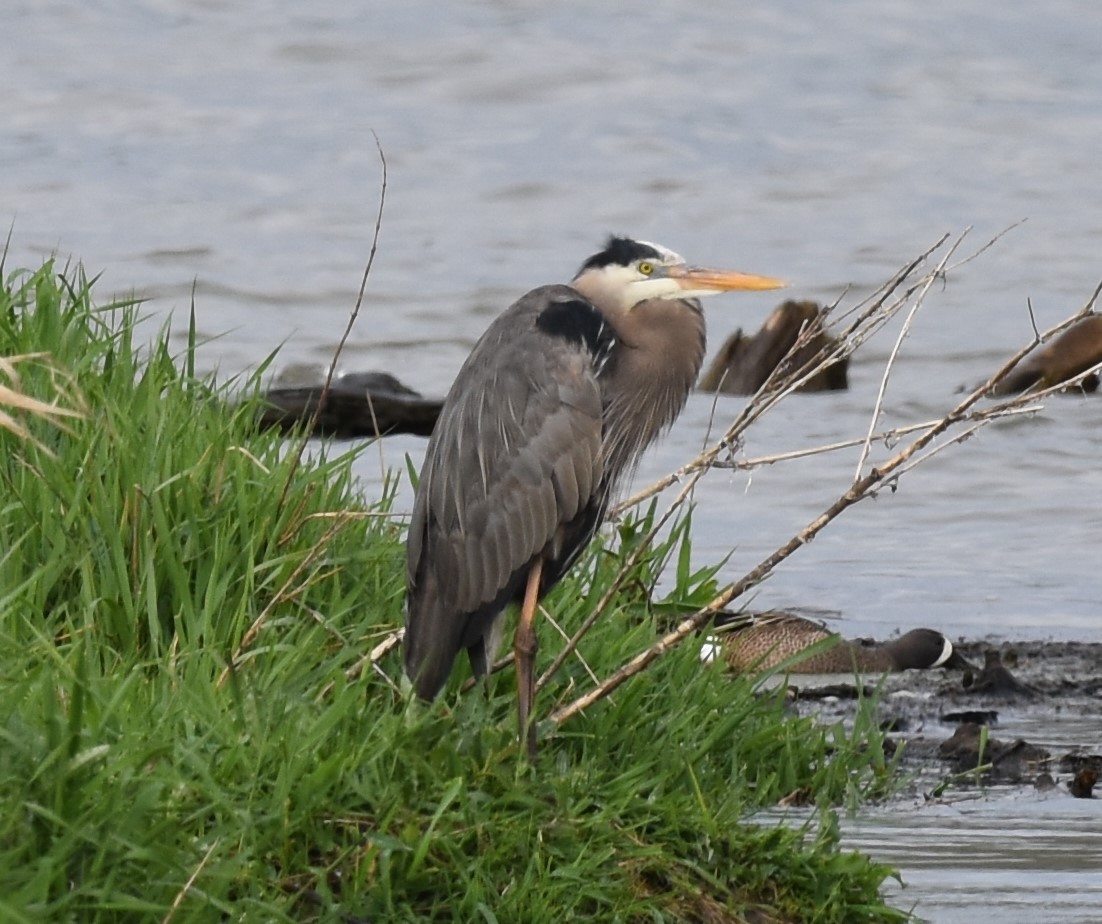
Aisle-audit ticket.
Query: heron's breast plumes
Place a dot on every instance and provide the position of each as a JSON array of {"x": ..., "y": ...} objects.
[{"x": 644, "y": 386}]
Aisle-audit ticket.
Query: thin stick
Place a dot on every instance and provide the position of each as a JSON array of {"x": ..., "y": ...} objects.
[
  {"x": 562, "y": 632},
  {"x": 283, "y": 594},
  {"x": 867, "y": 317},
  {"x": 296, "y": 454},
  {"x": 182, "y": 894},
  {"x": 871, "y": 314},
  {"x": 878, "y": 405},
  {"x": 863, "y": 487},
  {"x": 775, "y": 388},
  {"x": 372, "y": 658},
  {"x": 625, "y": 569}
]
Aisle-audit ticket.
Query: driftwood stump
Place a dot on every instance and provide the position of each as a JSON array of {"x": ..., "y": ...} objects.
[
  {"x": 1072, "y": 353},
  {"x": 744, "y": 363},
  {"x": 358, "y": 404}
]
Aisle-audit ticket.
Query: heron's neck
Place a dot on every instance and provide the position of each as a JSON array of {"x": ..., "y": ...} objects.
[
  {"x": 660, "y": 348},
  {"x": 664, "y": 343}
]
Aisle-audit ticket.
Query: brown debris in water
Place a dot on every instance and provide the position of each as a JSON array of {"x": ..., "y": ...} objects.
[
  {"x": 357, "y": 404},
  {"x": 744, "y": 362},
  {"x": 969, "y": 749},
  {"x": 1075, "y": 351},
  {"x": 1082, "y": 784},
  {"x": 995, "y": 678}
]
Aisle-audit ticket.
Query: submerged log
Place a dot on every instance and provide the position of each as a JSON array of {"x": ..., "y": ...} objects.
[
  {"x": 970, "y": 749},
  {"x": 996, "y": 679},
  {"x": 1072, "y": 353},
  {"x": 744, "y": 363},
  {"x": 358, "y": 404}
]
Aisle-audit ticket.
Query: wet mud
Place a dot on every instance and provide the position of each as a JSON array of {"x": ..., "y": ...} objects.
[{"x": 1026, "y": 714}]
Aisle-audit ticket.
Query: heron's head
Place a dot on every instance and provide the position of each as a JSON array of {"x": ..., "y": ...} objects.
[{"x": 628, "y": 272}]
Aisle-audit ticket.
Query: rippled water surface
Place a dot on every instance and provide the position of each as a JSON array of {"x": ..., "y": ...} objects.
[
  {"x": 228, "y": 146},
  {"x": 1009, "y": 856}
]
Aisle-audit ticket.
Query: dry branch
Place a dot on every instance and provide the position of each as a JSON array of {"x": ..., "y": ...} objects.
[
  {"x": 866, "y": 317},
  {"x": 291, "y": 586},
  {"x": 867, "y": 321},
  {"x": 296, "y": 455},
  {"x": 878, "y": 405}
]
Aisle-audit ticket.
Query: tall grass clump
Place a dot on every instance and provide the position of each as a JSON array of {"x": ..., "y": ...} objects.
[{"x": 189, "y": 729}]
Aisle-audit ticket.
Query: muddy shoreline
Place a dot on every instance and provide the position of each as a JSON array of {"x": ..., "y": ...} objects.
[{"x": 1033, "y": 721}]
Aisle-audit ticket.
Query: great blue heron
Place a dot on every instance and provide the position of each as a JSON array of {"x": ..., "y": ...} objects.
[{"x": 551, "y": 410}]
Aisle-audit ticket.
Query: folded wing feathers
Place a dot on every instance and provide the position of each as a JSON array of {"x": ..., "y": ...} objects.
[{"x": 498, "y": 501}]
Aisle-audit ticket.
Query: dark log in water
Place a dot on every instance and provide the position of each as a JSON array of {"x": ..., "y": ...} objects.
[
  {"x": 1072, "y": 353},
  {"x": 744, "y": 363},
  {"x": 358, "y": 404}
]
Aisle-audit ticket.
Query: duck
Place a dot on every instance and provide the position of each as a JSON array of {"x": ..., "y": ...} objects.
[{"x": 758, "y": 642}]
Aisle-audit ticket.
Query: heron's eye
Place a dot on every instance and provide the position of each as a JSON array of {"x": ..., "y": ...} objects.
[{"x": 646, "y": 268}]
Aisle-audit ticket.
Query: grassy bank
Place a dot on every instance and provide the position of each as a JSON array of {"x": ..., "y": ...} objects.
[{"x": 184, "y": 734}]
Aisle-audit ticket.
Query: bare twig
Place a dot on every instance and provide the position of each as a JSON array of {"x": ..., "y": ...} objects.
[
  {"x": 289, "y": 588},
  {"x": 182, "y": 894},
  {"x": 390, "y": 641},
  {"x": 986, "y": 247},
  {"x": 863, "y": 486},
  {"x": 625, "y": 569},
  {"x": 296, "y": 454},
  {"x": 878, "y": 405},
  {"x": 776, "y": 387},
  {"x": 867, "y": 317},
  {"x": 554, "y": 623}
]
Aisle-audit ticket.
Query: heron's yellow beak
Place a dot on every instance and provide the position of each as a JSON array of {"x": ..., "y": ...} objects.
[{"x": 699, "y": 278}]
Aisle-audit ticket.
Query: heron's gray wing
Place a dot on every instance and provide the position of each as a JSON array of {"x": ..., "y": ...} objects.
[{"x": 515, "y": 458}]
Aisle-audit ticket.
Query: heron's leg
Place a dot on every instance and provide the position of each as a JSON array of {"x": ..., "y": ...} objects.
[{"x": 524, "y": 651}]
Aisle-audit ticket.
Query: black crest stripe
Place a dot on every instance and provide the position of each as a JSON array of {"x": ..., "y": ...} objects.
[{"x": 620, "y": 251}]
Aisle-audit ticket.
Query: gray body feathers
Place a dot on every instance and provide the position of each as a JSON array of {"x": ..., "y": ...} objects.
[{"x": 551, "y": 409}]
